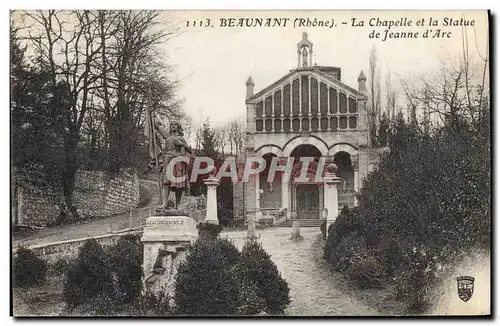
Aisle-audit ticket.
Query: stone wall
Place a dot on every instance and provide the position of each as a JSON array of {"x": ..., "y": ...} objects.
[
  {"x": 95, "y": 195},
  {"x": 37, "y": 206},
  {"x": 238, "y": 201}
]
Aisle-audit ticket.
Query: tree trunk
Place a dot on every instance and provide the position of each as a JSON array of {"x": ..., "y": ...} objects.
[{"x": 68, "y": 182}]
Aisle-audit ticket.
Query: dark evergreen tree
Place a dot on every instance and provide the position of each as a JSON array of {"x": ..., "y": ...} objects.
[
  {"x": 206, "y": 283},
  {"x": 256, "y": 268}
]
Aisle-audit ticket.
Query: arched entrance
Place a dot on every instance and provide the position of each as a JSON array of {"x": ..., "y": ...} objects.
[{"x": 307, "y": 196}]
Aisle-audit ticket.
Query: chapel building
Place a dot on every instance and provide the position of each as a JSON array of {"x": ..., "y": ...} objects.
[{"x": 310, "y": 112}]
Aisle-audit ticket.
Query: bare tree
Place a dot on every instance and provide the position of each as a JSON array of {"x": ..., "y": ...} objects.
[
  {"x": 221, "y": 139},
  {"x": 109, "y": 62},
  {"x": 188, "y": 127},
  {"x": 390, "y": 97},
  {"x": 64, "y": 41},
  {"x": 454, "y": 93},
  {"x": 374, "y": 100},
  {"x": 236, "y": 136}
]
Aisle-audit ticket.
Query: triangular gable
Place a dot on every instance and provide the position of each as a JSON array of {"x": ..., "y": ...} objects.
[{"x": 313, "y": 72}]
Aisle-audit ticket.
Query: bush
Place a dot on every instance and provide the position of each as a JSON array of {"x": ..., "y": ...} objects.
[
  {"x": 365, "y": 270},
  {"x": 250, "y": 303},
  {"x": 126, "y": 266},
  {"x": 430, "y": 193},
  {"x": 29, "y": 269},
  {"x": 150, "y": 304},
  {"x": 206, "y": 282},
  {"x": 60, "y": 267},
  {"x": 258, "y": 269},
  {"x": 89, "y": 277},
  {"x": 413, "y": 282}
]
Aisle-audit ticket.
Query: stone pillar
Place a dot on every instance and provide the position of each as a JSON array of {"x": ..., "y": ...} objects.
[
  {"x": 257, "y": 193},
  {"x": 309, "y": 111},
  {"x": 251, "y": 229},
  {"x": 296, "y": 231},
  {"x": 300, "y": 99},
  {"x": 331, "y": 181},
  {"x": 355, "y": 166},
  {"x": 285, "y": 197},
  {"x": 212, "y": 216}
]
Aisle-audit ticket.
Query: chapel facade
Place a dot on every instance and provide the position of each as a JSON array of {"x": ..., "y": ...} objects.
[{"x": 309, "y": 112}]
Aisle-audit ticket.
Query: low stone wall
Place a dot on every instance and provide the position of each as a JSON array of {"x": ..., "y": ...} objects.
[
  {"x": 95, "y": 195},
  {"x": 51, "y": 252}
]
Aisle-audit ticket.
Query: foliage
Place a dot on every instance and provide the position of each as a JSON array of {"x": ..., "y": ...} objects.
[
  {"x": 126, "y": 266},
  {"x": 206, "y": 283},
  {"x": 250, "y": 303},
  {"x": 84, "y": 106},
  {"x": 207, "y": 139},
  {"x": 29, "y": 269},
  {"x": 147, "y": 304},
  {"x": 150, "y": 304},
  {"x": 258, "y": 269},
  {"x": 60, "y": 267},
  {"x": 428, "y": 200},
  {"x": 216, "y": 279},
  {"x": 208, "y": 231},
  {"x": 89, "y": 277}
]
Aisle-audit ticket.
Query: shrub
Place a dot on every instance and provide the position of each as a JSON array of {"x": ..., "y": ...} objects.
[
  {"x": 250, "y": 303},
  {"x": 89, "y": 277},
  {"x": 150, "y": 304},
  {"x": 126, "y": 266},
  {"x": 257, "y": 268},
  {"x": 206, "y": 282},
  {"x": 365, "y": 270},
  {"x": 29, "y": 269},
  {"x": 413, "y": 281},
  {"x": 323, "y": 229},
  {"x": 61, "y": 266}
]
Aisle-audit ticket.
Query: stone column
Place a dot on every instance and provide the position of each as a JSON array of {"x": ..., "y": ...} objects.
[
  {"x": 300, "y": 98},
  {"x": 309, "y": 109},
  {"x": 257, "y": 193},
  {"x": 251, "y": 230},
  {"x": 212, "y": 216},
  {"x": 331, "y": 181},
  {"x": 285, "y": 197},
  {"x": 282, "y": 110},
  {"x": 355, "y": 166}
]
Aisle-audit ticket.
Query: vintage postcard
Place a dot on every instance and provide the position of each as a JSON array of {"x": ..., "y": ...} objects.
[{"x": 250, "y": 163}]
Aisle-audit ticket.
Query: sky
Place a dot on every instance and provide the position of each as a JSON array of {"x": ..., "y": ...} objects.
[{"x": 213, "y": 63}]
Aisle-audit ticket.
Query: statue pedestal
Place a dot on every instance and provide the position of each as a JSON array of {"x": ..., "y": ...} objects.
[{"x": 165, "y": 240}]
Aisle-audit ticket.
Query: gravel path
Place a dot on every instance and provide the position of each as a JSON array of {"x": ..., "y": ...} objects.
[{"x": 315, "y": 289}]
